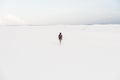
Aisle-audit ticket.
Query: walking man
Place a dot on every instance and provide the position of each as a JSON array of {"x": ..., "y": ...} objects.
[{"x": 60, "y": 37}]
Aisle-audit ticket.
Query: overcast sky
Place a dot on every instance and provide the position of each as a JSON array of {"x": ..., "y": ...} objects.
[{"x": 59, "y": 12}]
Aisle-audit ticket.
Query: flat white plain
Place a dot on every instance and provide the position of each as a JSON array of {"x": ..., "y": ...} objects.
[{"x": 87, "y": 52}]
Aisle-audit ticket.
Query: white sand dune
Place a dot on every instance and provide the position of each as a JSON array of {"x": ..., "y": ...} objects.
[{"x": 89, "y": 52}]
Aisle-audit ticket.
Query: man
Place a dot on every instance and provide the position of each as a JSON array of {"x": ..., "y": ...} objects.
[{"x": 60, "y": 37}]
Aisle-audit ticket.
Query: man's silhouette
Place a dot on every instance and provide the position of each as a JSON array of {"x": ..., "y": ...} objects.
[{"x": 60, "y": 37}]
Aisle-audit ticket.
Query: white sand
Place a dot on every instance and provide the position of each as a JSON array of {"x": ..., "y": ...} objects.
[{"x": 33, "y": 52}]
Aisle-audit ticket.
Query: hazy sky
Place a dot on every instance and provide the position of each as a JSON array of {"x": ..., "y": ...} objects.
[{"x": 44, "y": 12}]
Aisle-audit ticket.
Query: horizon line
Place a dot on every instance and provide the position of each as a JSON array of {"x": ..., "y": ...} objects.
[{"x": 55, "y": 24}]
